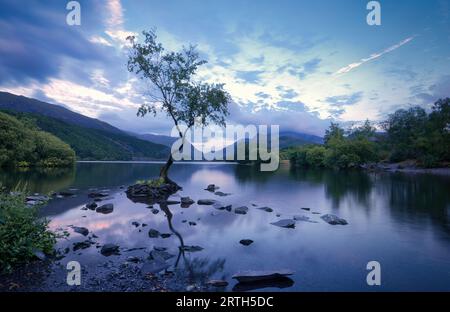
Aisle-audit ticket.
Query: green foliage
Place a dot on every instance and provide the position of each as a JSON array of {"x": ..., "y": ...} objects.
[
  {"x": 171, "y": 76},
  {"x": 94, "y": 144},
  {"x": 22, "y": 233},
  {"x": 410, "y": 134},
  {"x": 152, "y": 183},
  {"x": 23, "y": 145},
  {"x": 414, "y": 134}
]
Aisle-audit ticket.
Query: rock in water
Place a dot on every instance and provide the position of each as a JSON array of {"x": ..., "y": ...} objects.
[
  {"x": 91, "y": 206},
  {"x": 246, "y": 242},
  {"x": 105, "y": 209},
  {"x": 191, "y": 248},
  {"x": 109, "y": 249},
  {"x": 241, "y": 210},
  {"x": 285, "y": 223},
  {"x": 80, "y": 230},
  {"x": 221, "y": 194},
  {"x": 220, "y": 206},
  {"x": 39, "y": 254},
  {"x": 257, "y": 276},
  {"x": 333, "y": 219},
  {"x": 211, "y": 188},
  {"x": 217, "y": 283},
  {"x": 98, "y": 194},
  {"x": 206, "y": 202},
  {"x": 135, "y": 223},
  {"x": 152, "y": 233},
  {"x": 266, "y": 209},
  {"x": 306, "y": 209},
  {"x": 304, "y": 219},
  {"x": 82, "y": 245},
  {"x": 186, "y": 202}
]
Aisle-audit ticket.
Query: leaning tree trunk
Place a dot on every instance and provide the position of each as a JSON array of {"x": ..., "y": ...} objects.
[{"x": 164, "y": 172}]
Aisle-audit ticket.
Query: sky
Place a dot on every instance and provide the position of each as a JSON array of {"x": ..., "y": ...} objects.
[{"x": 298, "y": 64}]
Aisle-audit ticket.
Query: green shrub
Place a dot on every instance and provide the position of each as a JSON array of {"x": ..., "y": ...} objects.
[
  {"x": 152, "y": 183},
  {"x": 22, "y": 233}
]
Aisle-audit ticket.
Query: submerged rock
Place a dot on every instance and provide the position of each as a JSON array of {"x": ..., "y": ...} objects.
[
  {"x": 217, "y": 283},
  {"x": 154, "y": 266},
  {"x": 165, "y": 235},
  {"x": 186, "y": 202},
  {"x": 246, "y": 242},
  {"x": 145, "y": 193},
  {"x": 135, "y": 223},
  {"x": 105, "y": 209},
  {"x": 80, "y": 230},
  {"x": 82, "y": 245},
  {"x": 211, "y": 188},
  {"x": 152, "y": 233},
  {"x": 98, "y": 194},
  {"x": 155, "y": 211},
  {"x": 257, "y": 276},
  {"x": 333, "y": 219},
  {"x": 109, "y": 250},
  {"x": 266, "y": 209},
  {"x": 206, "y": 202},
  {"x": 241, "y": 210},
  {"x": 220, "y": 206},
  {"x": 306, "y": 209},
  {"x": 221, "y": 194},
  {"x": 304, "y": 219},
  {"x": 66, "y": 193},
  {"x": 191, "y": 248},
  {"x": 285, "y": 223}
]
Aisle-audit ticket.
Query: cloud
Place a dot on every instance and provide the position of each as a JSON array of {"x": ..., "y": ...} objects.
[
  {"x": 342, "y": 100},
  {"x": 372, "y": 57}
]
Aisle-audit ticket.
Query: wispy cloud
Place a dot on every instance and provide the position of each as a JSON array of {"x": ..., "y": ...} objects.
[{"x": 372, "y": 57}]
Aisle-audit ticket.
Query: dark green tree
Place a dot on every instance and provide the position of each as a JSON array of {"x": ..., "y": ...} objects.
[{"x": 173, "y": 88}]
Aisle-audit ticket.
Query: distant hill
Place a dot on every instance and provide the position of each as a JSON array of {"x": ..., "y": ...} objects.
[
  {"x": 290, "y": 138},
  {"x": 20, "y": 103},
  {"x": 91, "y": 139},
  {"x": 23, "y": 145},
  {"x": 155, "y": 138}
]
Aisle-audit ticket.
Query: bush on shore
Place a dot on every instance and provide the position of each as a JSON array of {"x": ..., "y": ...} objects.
[{"x": 22, "y": 233}]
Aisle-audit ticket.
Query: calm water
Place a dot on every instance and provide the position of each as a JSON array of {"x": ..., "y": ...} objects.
[{"x": 399, "y": 220}]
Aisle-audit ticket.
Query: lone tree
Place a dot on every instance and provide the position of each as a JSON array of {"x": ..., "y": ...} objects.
[{"x": 173, "y": 88}]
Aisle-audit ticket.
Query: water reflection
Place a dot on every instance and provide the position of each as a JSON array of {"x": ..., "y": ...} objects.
[{"x": 410, "y": 212}]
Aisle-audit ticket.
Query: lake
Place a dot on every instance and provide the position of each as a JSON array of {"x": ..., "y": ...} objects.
[{"x": 400, "y": 220}]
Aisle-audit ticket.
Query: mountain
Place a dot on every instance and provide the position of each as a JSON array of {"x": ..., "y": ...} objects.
[
  {"x": 91, "y": 139},
  {"x": 23, "y": 104},
  {"x": 290, "y": 138},
  {"x": 155, "y": 138}
]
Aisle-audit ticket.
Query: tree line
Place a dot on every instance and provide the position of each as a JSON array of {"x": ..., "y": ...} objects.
[
  {"x": 409, "y": 134},
  {"x": 22, "y": 144}
]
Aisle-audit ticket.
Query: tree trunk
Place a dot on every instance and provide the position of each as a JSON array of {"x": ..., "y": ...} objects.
[{"x": 164, "y": 172}]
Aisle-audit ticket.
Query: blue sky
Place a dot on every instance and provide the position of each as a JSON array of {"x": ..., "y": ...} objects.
[{"x": 297, "y": 63}]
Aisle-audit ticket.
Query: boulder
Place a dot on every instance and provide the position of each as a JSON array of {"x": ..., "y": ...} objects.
[
  {"x": 152, "y": 233},
  {"x": 241, "y": 210},
  {"x": 191, "y": 248},
  {"x": 285, "y": 223},
  {"x": 257, "y": 276},
  {"x": 217, "y": 283},
  {"x": 266, "y": 209},
  {"x": 221, "y": 194},
  {"x": 105, "y": 209},
  {"x": 82, "y": 245},
  {"x": 333, "y": 219},
  {"x": 211, "y": 188},
  {"x": 80, "y": 230},
  {"x": 187, "y": 200},
  {"x": 109, "y": 249},
  {"x": 246, "y": 242}
]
